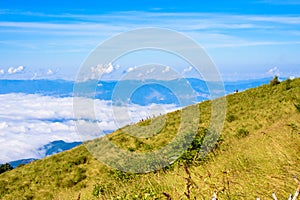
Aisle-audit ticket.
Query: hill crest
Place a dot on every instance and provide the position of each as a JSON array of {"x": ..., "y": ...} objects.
[{"x": 258, "y": 153}]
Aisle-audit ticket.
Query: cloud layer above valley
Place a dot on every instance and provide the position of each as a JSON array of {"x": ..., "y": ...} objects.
[{"x": 28, "y": 122}]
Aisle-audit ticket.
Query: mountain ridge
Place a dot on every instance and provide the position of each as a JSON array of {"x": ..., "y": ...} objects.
[{"x": 257, "y": 153}]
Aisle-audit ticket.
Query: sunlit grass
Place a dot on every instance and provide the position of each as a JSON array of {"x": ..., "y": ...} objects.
[{"x": 258, "y": 155}]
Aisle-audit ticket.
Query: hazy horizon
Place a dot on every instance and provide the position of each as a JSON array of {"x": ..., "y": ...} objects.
[{"x": 245, "y": 40}]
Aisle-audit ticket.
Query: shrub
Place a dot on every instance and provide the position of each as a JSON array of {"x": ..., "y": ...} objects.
[
  {"x": 131, "y": 149},
  {"x": 79, "y": 175},
  {"x": 231, "y": 118},
  {"x": 74, "y": 177},
  {"x": 122, "y": 176},
  {"x": 288, "y": 84},
  {"x": 242, "y": 133},
  {"x": 5, "y": 167},
  {"x": 98, "y": 190},
  {"x": 204, "y": 142},
  {"x": 274, "y": 81},
  {"x": 80, "y": 160}
]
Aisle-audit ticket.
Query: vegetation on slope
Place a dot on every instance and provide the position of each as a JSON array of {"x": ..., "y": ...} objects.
[
  {"x": 257, "y": 154},
  {"x": 5, "y": 167}
]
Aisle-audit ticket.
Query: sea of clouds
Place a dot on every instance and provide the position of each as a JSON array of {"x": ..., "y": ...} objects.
[{"x": 30, "y": 121}]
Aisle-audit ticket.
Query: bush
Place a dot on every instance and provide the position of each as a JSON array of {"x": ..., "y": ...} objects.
[
  {"x": 5, "y": 167},
  {"x": 231, "y": 118},
  {"x": 288, "y": 84},
  {"x": 98, "y": 190},
  {"x": 275, "y": 81},
  {"x": 80, "y": 160},
  {"x": 242, "y": 133},
  {"x": 79, "y": 175},
  {"x": 122, "y": 176},
  {"x": 204, "y": 142}
]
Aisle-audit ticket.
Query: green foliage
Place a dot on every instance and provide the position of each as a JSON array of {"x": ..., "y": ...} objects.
[
  {"x": 274, "y": 81},
  {"x": 72, "y": 179},
  {"x": 122, "y": 176},
  {"x": 241, "y": 133},
  {"x": 5, "y": 167},
  {"x": 288, "y": 84},
  {"x": 131, "y": 149},
  {"x": 202, "y": 144},
  {"x": 79, "y": 160},
  {"x": 98, "y": 190},
  {"x": 231, "y": 118}
]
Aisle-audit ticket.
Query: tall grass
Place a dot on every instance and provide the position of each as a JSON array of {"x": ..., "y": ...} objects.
[{"x": 257, "y": 154}]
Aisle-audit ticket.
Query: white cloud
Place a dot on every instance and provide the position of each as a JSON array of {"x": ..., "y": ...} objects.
[
  {"x": 188, "y": 69},
  {"x": 167, "y": 69},
  {"x": 130, "y": 69},
  {"x": 117, "y": 66},
  {"x": 150, "y": 71},
  {"x": 274, "y": 71},
  {"x": 276, "y": 19},
  {"x": 49, "y": 72},
  {"x": 13, "y": 70},
  {"x": 2, "y": 71},
  {"x": 101, "y": 69},
  {"x": 27, "y": 122},
  {"x": 139, "y": 75}
]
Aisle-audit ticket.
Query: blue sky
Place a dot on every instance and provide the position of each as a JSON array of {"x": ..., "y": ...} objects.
[{"x": 245, "y": 39}]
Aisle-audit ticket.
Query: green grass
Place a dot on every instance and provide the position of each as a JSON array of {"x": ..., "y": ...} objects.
[{"x": 257, "y": 154}]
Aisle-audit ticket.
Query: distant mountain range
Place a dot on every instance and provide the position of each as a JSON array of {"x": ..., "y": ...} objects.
[
  {"x": 144, "y": 93},
  {"x": 57, "y": 146},
  {"x": 47, "y": 150},
  {"x": 17, "y": 163}
]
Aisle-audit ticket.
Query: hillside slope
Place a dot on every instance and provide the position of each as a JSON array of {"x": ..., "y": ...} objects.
[{"x": 257, "y": 154}]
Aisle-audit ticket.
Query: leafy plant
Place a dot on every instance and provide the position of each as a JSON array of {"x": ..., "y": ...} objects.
[
  {"x": 288, "y": 84},
  {"x": 274, "y": 81},
  {"x": 98, "y": 190},
  {"x": 231, "y": 118},
  {"x": 241, "y": 133},
  {"x": 5, "y": 167},
  {"x": 122, "y": 176}
]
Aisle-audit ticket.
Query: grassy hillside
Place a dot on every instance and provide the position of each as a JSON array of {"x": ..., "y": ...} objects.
[{"x": 257, "y": 154}]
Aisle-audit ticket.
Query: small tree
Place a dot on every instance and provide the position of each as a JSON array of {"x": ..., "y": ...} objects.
[
  {"x": 5, "y": 167},
  {"x": 275, "y": 81}
]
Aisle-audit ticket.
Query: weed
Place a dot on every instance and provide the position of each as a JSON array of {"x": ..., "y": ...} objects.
[
  {"x": 241, "y": 133},
  {"x": 231, "y": 118},
  {"x": 98, "y": 190},
  {"x": 122, "y": 176}
]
